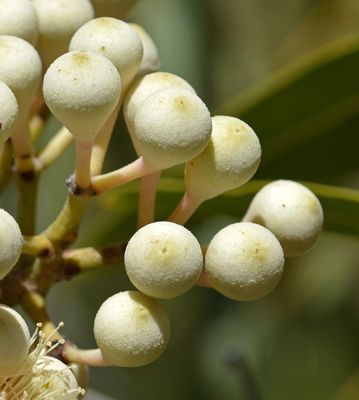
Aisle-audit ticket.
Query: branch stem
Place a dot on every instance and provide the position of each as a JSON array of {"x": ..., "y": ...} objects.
[
  {"x": 55, "y": 147},
  {"x": 147, "y": 199},
  {"x": 92, "y": 357},
  {"x": 83, "y": 160},
  {"x": 185, "y": 209}
]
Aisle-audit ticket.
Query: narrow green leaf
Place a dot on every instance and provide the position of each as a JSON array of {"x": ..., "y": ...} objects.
[{"x": 312, "y": 98}]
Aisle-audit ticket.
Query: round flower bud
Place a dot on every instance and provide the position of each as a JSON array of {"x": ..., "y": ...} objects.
[
  {"x": 131, "y": 329},
  {"x": 58, "y": 21},
  {"x": 291, "y": 211},
  {"x": 230, "y": 159},
  {"x": 57, "y": 378},
  {"x": 171, "y": 127},
  {"x": 14, "y": 340},
  {"x": 163, "y": 260},
  {"x": 147, "y": 85},
  {"x": 150, "y": 59},
  {"x": 18, "y": 18},
  {"x": 20, "y": 69},
  {"x": 244, "y": 261},
  {"x": 8, "y": 112},
  {"x": 113, "y": 8},
  {"x": 81, "y": 89},
  {"x": 10, "y": 243},
  {"x": 114, "y": 39}
]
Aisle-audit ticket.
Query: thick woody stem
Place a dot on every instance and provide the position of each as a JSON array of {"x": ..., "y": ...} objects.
[
  {"x": 147, "y": 199},
  {"x": 185, "y": 209},
  {"x": 119, "y": 177},
  {"x": 55, "y": 147}
]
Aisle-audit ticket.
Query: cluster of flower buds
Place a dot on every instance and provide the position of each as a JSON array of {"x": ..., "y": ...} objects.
[{"x": 92, "y": 63}]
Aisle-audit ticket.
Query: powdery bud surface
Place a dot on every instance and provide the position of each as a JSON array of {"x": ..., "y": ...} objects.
[
  {"x": 230, "y": 159},
  {"x": 18, "y": 18},
  {"x": 8, "y": 112},
  {"x": 147, "y": 85},
  {"x": 58, "y": 21},
  {"x": 20, "y": 69},
  {"x": 10, "y": 243},
  {"x": 131, "y": 329},
  {"x": 150, "y": 59},
  {"x": 291, "y": 211},
  {"x": 163, "y": 259},
  {"x": 14, "y": 340},
  {"x": 114, "y": 39},
  {"x": 113, "y": 8},
  {"x": 81, "y": 89},
  {"x": 171, "y": 127},
  {"x": 244, "y": 261}
]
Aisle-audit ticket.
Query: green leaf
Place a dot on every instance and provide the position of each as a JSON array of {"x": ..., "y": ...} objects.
[
  {"x": 341, "y": 205},
  {"x": 306, "y": 112}
]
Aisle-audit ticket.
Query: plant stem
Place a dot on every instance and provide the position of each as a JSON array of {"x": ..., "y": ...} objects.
[
  {"x": 102, "y": 141},
  {"x": 55, "y": 147},
  {"x": 63, "y": 231},
  {"x": 130, "y": 172},
  {"x": 5, "y": 164},
  {"x": 83, "y": 160},
  {"x": 27, "y": 204},
  {"x": 92, "y": 357},
  {"x": 38, "y": 246},
  {"x": 147, "y": 199},
  {"x": 35, "y": 306},
  {"x": 89, "y": 258},
  {"x": 185, "y": 209},
  {"x": 36, "y": 126}
]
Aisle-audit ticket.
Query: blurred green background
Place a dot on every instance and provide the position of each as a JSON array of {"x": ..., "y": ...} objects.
[{"x": 289, "y": 69}]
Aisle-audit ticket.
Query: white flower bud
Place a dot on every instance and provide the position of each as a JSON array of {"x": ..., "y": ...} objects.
[
  {"x": 144, "y": 87},
  {"x": 8, "y": 112},
  {"x": 171, "y": 127},
  {"x": 20, "y": 69},
  {"x": 163, "y": 260},
  {"x": 14, "y": 340},
  {"x": 18, "y": 18},
  {"x": 151, "y": 59},
  {"x": 230, "y": 159},
  {"x": 244, "y": 261},
  {"x": 131, "y": 329},
  {"x": 10, "y": 243},
  {"x": 81, "y": 89},
  {"x": 113, "y": 8},
  {"x": 291, "y": 211},
  {"x": 114, "y": 39},
  {"x": 58, "y": 21}
]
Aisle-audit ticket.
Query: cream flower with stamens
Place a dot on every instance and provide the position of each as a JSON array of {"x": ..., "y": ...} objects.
[{"x": 39, "y": 376}]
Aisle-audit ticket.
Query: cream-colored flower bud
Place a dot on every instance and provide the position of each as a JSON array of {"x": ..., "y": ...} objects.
[
  {"x": 131, "y": 329},
  {"x": 14, "y": 340},
  {"x": 163, "y": 260},
  {"x": 57, "y": 378},
  {"x": 18, "y": 18},
  {"x": 244, "y": 261},
  {"x": 20, "y": 69},
  {"x": 171, "y": 127},
  {"x": 230, "y": 159},
  {"x": 291, "y": 211},
  {"x": 144, "y": 87},
  {"x": 114, "y": 39},
  {"x": 113, "y": 8},
  {"x": 58, "y": 21},
  {"x": 151, "y": 59},
  {"x": 8, "y": 112},
  {"x": 81, "y": 89},
  {"x": 10, "y": 243}
]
